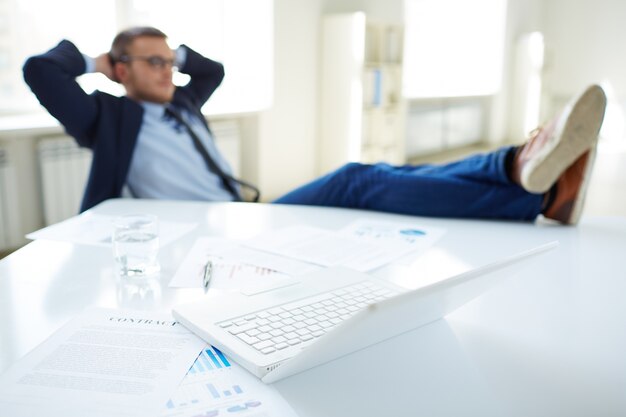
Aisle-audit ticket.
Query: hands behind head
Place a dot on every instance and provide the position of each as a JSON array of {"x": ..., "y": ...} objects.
[{"x": 104, "y": 65}]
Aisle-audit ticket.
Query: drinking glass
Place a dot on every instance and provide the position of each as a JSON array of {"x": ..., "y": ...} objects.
[{"x": 136, "y": 244}]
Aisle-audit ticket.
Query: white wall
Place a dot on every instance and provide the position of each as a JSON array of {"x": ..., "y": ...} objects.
[
  {"x": 287, "y": 131},
  {"x": 584, "y": 43},
  {"x": 523, "y": 16}
]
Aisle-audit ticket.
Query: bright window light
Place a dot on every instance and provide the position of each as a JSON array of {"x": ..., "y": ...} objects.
[
  {"x": 34, "y": 26},
  {"x": 238, "y": 33},
  {"x": 453, "y": 48}
]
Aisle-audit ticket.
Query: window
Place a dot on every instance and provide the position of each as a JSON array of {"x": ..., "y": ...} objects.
[
  {"x": 28, "y": 27},
  {"x": 453, "y": 48},
  {"x": 238, "y": 33}
]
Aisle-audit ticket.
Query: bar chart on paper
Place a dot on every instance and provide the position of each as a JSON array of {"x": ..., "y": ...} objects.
[
  {"x": 213, "y": 386},
  {"x": 215, "y": 393},
  {"x": 209, "y": 360}
]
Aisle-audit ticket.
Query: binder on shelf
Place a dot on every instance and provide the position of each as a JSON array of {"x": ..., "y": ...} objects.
[{"x": 373, "y": 94}]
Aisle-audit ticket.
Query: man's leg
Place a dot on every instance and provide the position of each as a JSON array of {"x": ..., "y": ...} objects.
[
  {"x": 475, "y": 187},
  {"x": 558, "y": 160},
  {"x": 547, "y": 175}
]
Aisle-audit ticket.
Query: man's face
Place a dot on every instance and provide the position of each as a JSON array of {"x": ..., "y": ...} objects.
[{"x": 147, "y": 75}]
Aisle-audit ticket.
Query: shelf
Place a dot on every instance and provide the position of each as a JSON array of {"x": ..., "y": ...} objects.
[{"x": 363, "y": 114}]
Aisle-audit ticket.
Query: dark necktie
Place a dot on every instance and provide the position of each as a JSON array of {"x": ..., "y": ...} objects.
[{"x": 227, "y": 180}]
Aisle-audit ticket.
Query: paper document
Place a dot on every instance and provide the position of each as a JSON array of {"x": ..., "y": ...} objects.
[
  {"x": 237, "y": 267},
  {"x": 263, "y": 259},
  {"x": 405, "y": 236},
  {"x": 96, "y": 229},
  {"x": 215, "y": 386},
  {"x": 102, "y": 363},
  {"x": 363, "y": 245}
]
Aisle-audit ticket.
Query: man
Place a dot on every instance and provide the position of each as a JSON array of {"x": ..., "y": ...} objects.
[
  {"x": 155, "y": 143},
  {"x": 136, "y": 150}
]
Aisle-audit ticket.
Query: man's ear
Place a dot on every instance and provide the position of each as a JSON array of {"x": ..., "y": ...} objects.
[{"x": 120, "y": 72}]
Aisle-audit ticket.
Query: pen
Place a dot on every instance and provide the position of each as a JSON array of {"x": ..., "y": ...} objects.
[{"x": 207, "y": 275}]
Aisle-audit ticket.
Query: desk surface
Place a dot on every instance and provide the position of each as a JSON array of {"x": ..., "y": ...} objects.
[{"x": 550, "y": 341}]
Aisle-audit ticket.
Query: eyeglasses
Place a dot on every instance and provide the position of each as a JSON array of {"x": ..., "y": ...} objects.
[{"x": 155, "y": 61}]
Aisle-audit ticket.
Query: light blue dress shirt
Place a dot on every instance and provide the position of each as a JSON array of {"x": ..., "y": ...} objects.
[{"x": 165, "y": 163}]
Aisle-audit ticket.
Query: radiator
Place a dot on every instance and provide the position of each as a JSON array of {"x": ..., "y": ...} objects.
[
  {"x": 64, "y": 168},
  {"x": 11, "y": 234},
  {"x": 228, "y": 140},
  {"x": 4, "y": 222}
]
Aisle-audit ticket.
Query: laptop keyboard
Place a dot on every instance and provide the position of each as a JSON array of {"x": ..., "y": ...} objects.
[{"x": 303, "y": 321}]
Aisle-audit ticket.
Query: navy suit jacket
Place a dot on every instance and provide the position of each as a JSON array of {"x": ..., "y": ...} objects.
[{"x": 106, "y": 124}]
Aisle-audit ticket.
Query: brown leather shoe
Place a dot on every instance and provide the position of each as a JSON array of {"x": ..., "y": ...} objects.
[
  {"x": 543, "y": 159},
  {"x": 571, "y": 188}
]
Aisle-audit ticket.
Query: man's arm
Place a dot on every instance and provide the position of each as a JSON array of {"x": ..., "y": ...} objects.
[
  {"x": 206, "y": 75},
  {"x": 52, "y": 77}
]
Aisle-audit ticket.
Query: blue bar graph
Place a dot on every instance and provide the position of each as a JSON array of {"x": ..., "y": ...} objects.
[
  {"x": 209, "y": 360},
  {"x": 206, "y": 361},
  {"x": 226, "y": 393},
  {"x": 222, "y": 357},
  {"x": 213, "y": 391},
  {"x": 217, "y": 363}
]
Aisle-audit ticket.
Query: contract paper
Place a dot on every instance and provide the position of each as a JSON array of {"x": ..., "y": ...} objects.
[
  {"x": 103, "y": 363},
  {"x": 363, "y": 245},
  {"x": 215, "y": 386},
  {"x": 97, "y": 229}
]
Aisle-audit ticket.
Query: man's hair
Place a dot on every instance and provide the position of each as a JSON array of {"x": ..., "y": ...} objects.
[{"x": 120, "y": 44}]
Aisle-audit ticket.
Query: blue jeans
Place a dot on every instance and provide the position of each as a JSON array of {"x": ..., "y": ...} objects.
[{"x": 475, "y": 187}]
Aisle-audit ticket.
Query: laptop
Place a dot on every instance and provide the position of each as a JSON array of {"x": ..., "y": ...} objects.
[{"x": 330, "y": 314}]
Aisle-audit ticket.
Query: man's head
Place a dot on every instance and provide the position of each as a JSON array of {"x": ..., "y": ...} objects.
[{"x": 142, "y": 62}]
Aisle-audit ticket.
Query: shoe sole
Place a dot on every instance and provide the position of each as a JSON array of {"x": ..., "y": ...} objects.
[
  {"x": 579, "y": 202},
  {"x": 575, "y": 136}
]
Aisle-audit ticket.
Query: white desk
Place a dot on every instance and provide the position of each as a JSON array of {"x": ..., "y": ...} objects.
[{"x": 551, "y": 341}]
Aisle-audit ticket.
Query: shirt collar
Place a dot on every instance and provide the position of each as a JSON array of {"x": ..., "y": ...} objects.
[{"x": 153, "y": 109}]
